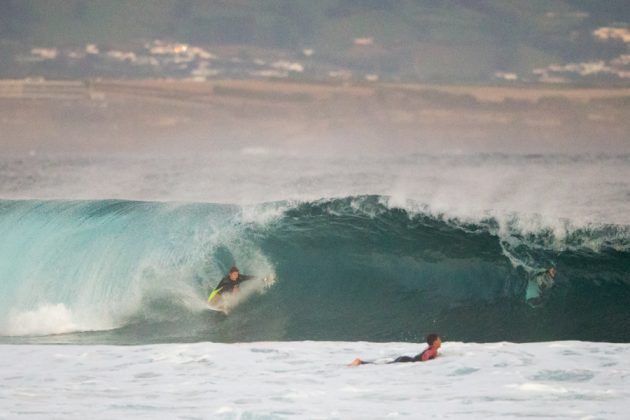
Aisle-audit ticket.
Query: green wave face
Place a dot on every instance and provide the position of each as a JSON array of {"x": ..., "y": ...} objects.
[{"x": 347, "y": 269}]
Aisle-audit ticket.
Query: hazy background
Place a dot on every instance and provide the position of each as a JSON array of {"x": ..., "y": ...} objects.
[
  {"x": 288, "y": 99},
  {"x": 455, "y": 41}
]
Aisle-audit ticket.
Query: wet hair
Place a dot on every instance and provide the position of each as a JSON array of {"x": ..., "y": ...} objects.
[
  {"x": 233, "y": 269},
  {"x": 431, "y": 338}
]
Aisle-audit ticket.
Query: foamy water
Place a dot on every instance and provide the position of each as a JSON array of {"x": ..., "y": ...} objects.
[
  {"x": 540, "y": 190},
  {"x": 565, "y": 380}
]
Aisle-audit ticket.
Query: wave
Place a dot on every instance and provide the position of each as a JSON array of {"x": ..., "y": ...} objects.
[{"x": 353, "y": 268}]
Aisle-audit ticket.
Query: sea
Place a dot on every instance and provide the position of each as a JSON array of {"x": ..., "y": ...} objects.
[{"x": 106, "y": 263}]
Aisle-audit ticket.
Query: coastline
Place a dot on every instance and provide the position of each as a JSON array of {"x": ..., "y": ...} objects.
[{"x": 145, "y": 116}]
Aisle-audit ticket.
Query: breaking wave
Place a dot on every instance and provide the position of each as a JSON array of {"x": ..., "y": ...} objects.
[{"x": 353, "y": 268}]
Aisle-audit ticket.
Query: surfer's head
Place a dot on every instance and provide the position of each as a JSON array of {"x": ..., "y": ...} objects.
[
  {"x": 552, "y": 272},
  {"x": 434, "y": 340},
  {"x": 233, "y": 273}
]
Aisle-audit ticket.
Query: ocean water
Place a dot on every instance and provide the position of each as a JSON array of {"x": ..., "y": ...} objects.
[
  {"x": 567, "y": 380},
  {"x": 107, "y": 263},
  {"x": 311, "y": 379}
]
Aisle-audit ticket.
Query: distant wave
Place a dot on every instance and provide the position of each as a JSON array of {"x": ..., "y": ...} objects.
[{"x": 354, "y": 268}]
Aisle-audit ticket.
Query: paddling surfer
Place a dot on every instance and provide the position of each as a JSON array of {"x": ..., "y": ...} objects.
[{"x": 434, "y": 342}]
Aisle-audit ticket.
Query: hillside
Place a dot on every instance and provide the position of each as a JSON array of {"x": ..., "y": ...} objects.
[{"x": 430, "y": 41}]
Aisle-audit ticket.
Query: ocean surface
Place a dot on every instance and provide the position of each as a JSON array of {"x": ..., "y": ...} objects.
[
  {"x": 311, "y": 379},
  {"x": 106, "y": 264}
]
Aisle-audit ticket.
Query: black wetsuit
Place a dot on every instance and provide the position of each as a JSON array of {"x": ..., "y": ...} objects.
[
  {"x": 418, "y": 357},
  {"x": 406, "y": 359},
  {"x": 227, "y": 285},
  {"x": 427, "y": 354}
]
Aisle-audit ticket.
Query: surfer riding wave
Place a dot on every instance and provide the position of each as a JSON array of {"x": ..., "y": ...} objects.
[
  {"x": 230, "y": 283},
  {"x": 225, "y": 293}
]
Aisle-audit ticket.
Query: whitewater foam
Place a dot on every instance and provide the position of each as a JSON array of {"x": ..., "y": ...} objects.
[
  {"x": 46, "y": 319},
  {"x": 312, "y": 380},
  {"x": 542, "y": 191}
]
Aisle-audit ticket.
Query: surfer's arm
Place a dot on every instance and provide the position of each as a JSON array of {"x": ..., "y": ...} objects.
[
  {"x": 357, "y": 362},
  {"x": 242, "y": 278},
  {"x": 549, "y": 281}
]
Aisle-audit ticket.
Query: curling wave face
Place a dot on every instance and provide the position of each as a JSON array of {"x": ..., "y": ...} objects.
[{"x": 354, "y": 268}]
